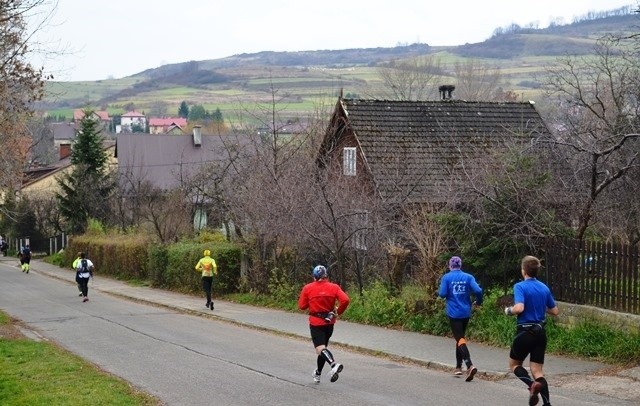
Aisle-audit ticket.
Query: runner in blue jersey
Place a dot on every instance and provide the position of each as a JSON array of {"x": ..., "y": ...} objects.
[
  {"x": 532, "y": 302},
  {"x": 457, "y": 286}
]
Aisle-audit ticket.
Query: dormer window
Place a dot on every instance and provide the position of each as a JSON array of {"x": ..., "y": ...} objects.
[{"x": 349, "y": 161}]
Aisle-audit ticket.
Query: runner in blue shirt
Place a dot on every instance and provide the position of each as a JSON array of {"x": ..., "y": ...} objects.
[
  {"x": 456, "y": 287},
  {"x": 532, "y": 301}
]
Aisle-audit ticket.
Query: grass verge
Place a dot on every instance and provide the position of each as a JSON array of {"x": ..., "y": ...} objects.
[
  {"x": 41, "y": 373},
  {"x": 413, "y": 311}
]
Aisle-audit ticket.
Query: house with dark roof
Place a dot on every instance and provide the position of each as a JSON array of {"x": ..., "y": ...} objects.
[
  {"x": 412, "y": 151},
  {"x": 169, "y": 162},
  {"x": 43, "y": 181}
]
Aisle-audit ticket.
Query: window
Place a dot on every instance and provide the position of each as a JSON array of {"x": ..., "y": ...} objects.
[
  {"x": 200, "y": 218},
  {"x": 359, "y": 226},
  {"x": 349, "y": 161}
]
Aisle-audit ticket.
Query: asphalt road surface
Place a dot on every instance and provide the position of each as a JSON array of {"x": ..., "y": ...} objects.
[{"x": 188, "y": 360}]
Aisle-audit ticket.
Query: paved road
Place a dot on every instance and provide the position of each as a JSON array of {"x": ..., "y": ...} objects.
[{"x": 168, "y": 345}]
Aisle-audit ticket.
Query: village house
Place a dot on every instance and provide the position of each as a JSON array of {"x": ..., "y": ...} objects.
[
  {"x": 132, "y": 122},
  {"x": 168, "y": 162},
  {"x": 167, "y": 125},
  {"x": 103, "y": 116},
  {"x": 42, "y": 182},
  {"x": 409, "y": 151}
]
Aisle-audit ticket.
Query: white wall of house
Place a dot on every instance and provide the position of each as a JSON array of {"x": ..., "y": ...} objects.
[{"x": 133, "y": 121}]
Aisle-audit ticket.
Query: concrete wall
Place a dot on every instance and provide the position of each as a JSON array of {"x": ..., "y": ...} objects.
[{"x": 572, "y": 315}]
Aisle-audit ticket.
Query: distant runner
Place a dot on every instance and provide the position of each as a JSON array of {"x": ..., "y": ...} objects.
[
  {"x": 84, "y": 271},
  {"x": 208, "y": 267},
  {"x": 25, "y": 258}
]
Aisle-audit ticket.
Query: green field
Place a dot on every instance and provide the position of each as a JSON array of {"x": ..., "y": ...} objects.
[{"x": 522, "y": 60}]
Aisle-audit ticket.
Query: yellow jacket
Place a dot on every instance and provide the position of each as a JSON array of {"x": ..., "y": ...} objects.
[{"x": 207, "y": 265}]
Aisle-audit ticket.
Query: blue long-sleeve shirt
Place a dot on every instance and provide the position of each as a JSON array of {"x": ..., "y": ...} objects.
[{"x": 457, "y": 286}]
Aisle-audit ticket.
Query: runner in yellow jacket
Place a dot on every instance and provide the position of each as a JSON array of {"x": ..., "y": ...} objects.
[
  {"x": 208, "y": 267},
  {"x": 75, "y": 267}
]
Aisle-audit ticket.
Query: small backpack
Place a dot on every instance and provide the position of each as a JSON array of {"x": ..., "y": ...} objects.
[
  {"x": 26, "y": 252},
  {"x": 85, "y": 266}
]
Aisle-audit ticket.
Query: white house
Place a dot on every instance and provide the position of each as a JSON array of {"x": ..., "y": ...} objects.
[{"x": 132, "y": 120}]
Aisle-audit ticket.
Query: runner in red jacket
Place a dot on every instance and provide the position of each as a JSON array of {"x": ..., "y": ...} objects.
[{"x": 320, "y": 297}]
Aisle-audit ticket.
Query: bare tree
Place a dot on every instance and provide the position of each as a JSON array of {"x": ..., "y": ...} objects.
[
  {"x": 412, "y": 79},
  {"x": 340, "y": 217},
  {"x": 20, "y": 85},
  {"x": 480, "y": 82},
  {"x": 158, "y": 108},
  {"x": 167, "y": 213},
  {"x": 429, "y": 239},
  {"x": 42, "y": 151},
  {"x": 262, "y": 191},
  {"x": 599, "y": 129},
  {"x": 48, "y": 220}
]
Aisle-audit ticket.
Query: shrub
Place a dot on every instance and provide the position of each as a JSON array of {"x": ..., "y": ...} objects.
[
  {"x": 282, "y": 290},
  {"x": 180, "y": 273},
  {"x": 114, "y": 254},
  {"x": 158, "y": 261},
  {"x": 376, "y": 306}
]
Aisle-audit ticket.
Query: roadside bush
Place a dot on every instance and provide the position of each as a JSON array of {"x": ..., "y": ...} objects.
[
  {"x": 118, "y": 255},
  {"x": 596, "y": 341},
  {"x": 158, "y": 261},
  {"x": 377, "y": 307},
  {"x": 488, "y": 323},
  {"x": 57, "y": 259},
  {"x": 180, "y": 273},
  {"x": 282, "y": 290}
]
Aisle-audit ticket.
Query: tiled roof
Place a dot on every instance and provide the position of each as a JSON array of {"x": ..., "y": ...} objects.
[
  {"x": 63, "y": 131},
  {"x": 133, "y": 114},
  {"x": 34, "y": 175},
  {"x": 165, "y": 159},
  {"x": 79, "y": 113},
  {"x": 166, "y": 122},
  {"x": 413, "y": 147}
]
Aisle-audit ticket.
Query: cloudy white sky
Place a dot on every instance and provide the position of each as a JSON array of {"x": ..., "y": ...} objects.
[{"x": 118, "y": 38}]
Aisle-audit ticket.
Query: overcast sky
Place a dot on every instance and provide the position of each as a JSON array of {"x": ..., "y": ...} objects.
[{"x": 118, "y": 38}]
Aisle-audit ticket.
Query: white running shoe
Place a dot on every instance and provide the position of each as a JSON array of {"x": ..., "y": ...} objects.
[
  {"x": 316, "y": 376},
  {"x": 335, "y": 371}
]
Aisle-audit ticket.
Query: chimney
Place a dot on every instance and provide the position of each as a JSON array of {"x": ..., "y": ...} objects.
[
  {"x": 446, "y": 91},
  {"x": 197, "y": 136},
  {"x": 65, "y": 151}
]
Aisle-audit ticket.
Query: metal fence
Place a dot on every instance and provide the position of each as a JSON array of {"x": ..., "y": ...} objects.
[
  {"x": 58, "y": 243},
  {"x": 599, "y": 274}
]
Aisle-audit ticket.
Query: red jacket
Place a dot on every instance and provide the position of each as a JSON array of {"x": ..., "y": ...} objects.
[{"x": 320, "y": 297}]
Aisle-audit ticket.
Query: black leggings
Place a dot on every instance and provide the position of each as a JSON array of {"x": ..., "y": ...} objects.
[
  {"x": 459, "y": 329},
  {"x": 83, "y": 283},
  {"x": 207, "y": 283}
]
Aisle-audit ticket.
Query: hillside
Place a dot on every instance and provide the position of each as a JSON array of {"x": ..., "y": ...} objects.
[{"x": 303, "y": 80}]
